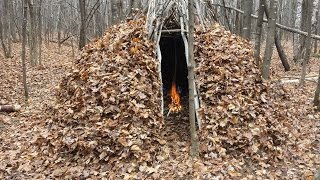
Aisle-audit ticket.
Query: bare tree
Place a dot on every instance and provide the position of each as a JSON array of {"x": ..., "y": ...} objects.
[
  {"x": 317, "y": 92},
  {"x": 82, "y": 41},
  {"x": 270, "y": 39},
  {"x": 12, "y": 15},
  {"x": 317, "y": 28},
  {"x": 116, "y": 7},
  {"x": 279, "y": 47},
  {"x": 98, "y": 21},
  {"x": 247, "y": 7},
  {"x": 33, "y": 34},
  {"x": 307, "y": 46},
  {"x": 60, "y": 25},
  {"x": 259, "y": 31},
  {"x": 39, "y": 31},
  {"x": 23, "y": 51},
  {"x": 5, "y": 31}
]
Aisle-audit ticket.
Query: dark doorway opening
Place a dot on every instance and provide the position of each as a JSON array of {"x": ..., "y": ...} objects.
[
  {"x": 174, "y": 63},
  {"x": 174, "y": 69}
]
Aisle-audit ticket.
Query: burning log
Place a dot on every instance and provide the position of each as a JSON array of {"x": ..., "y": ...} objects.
[
  {"x": 175, "y": 105},
  {"x": 10, "y": 108}
]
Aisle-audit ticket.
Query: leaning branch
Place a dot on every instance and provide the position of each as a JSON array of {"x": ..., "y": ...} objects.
[{"x": 293, "y": 30}]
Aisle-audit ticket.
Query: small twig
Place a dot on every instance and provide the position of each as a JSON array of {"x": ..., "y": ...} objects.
[{"x": 168, "y": 112}]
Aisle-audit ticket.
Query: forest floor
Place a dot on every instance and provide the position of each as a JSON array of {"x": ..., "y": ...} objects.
[{"x": 18, "y": 159}]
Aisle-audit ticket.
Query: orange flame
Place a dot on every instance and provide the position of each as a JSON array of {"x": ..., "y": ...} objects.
[{"x": 175, "y": 105}]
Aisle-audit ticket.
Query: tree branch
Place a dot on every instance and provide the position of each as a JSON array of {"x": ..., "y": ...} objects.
[{"x": 293, "y": 30}]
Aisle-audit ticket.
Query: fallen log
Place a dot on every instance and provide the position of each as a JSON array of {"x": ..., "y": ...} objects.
[
  {"x": 286, "y": 81},
  {"x": 10, "y": 108}
]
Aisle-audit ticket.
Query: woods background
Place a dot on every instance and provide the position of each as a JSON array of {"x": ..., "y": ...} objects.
[{"x": 80, "y": 21}]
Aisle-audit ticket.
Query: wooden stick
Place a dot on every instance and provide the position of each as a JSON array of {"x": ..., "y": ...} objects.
[
  {"x": 285, "y": 81},
  {"x": 173, "y": 30}
]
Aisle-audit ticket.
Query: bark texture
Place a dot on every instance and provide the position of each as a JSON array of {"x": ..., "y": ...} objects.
[
  {"x": 82, "y": 40},
  {"x": 191, "y": 66},
  {"x": 270, "y": 39},
  {"x": 23, "y": 51},
  {"x": 307, "y": 47}
]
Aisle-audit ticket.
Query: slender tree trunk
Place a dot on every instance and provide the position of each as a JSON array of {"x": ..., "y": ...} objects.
[
  {"x": 23, "y": 51},
  {"x": 297, "y": 36},
  {"x": 224, "y": 12},
  {"x": 279, "y": 47},
  {"x": 270, "y": 39},
  {"x": 40, "y": 33},
  {"x": 259, "y": 31},
  {"x": 82, "y": 41},
  {"x": 59, "y": 26},
  {"x": 12, "y": 16},
  {"x": 317, "y": 28},
  {"x": 238, "y": 20},
  {"x": 109, "y": 13},
  {"x": 7, "y": 30},
  {"x": 98, "y": 21},
  {"x": 247, "y": 7},
  {"x": 303, "y": 27},
  {"x": 317, "y": 93},
  {"x": 308, "y": 42},
  {"x": 191, "y": 66},
  {"x": 3, "y": 44},
  {"x": 72, "y": 47},
  {"x": 33, "y": 39},
  {"x": 116, "y": 11},
  {"x": 130, "y": 8}
]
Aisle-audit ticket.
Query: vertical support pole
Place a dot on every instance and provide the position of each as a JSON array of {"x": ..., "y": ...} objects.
[{"x": 191, "y": 66}]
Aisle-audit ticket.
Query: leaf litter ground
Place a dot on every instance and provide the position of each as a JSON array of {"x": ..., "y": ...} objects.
[{"x": 103, "y": 124}]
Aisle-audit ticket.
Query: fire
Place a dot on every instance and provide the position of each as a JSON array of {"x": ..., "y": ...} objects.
[{"x": 175, "y": 105}]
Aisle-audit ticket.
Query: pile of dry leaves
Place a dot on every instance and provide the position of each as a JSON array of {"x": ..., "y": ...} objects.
[
  {"x": 109, "y": 105},
  {"x": 108, "y": 121},
  {"x": 242, "y": 115}
]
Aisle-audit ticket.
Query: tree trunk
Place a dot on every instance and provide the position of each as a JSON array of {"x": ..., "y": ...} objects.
[
  {"x": 191, "y": 81},
  {"x": 3, "y": 44},
  {"x": 315, "y": 7},
  {"x": 116, "y": 7},
  {"x": 6, "y": 31},
  {"x": 279, "y": 47},
  {"x": 238, "y": 20},
  {"x": 317, "y": 28},
  {"x": 270, "y": 39},
  {"x": 40, "y": 33},
  {"x": 12, "y": 16},
  {"x": 109, "y": 13},
  {"x": 99, "y": 23},
  {"x": 307, "y": 48},
  {"x": 82, "y": 40},
  {"x": 317, "y": 93},
  {"x": 23, "y": 51},
  {"x": 224, "y": 12},
  {"x": 33, "y": 35},
  {"x": 130, "y": 8},
  {"x": 297, "y": 36},
  {"x": 259, "y": 31},
  {"x": 247, "y": 8},
  {"x": 59, "y": 26}
]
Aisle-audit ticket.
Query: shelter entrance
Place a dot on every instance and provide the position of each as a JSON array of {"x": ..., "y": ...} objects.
[
  {"x": 174, "y": 68},
  {"x": 173, "y": 65},
  {"x": 174, "y": 71}
]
